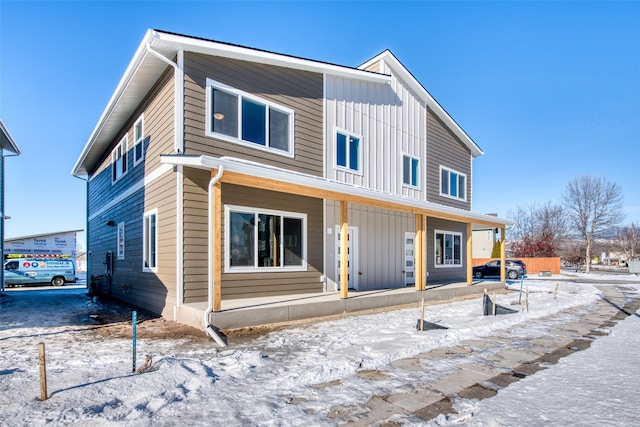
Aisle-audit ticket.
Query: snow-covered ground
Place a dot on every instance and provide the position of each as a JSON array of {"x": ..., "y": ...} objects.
[{"x": 295, "y": 376}]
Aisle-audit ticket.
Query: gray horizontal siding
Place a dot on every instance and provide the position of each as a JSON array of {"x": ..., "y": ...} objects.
[
  {"x": 242, "y": 285},
  {"x": 445, "y": 274},
  {"x": 445, "y": 149},
  {"x": 154, "y": 292},
  {"x": 299, "y": 90}
]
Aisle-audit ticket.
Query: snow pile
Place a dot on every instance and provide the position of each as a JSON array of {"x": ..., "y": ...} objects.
[{"x": 281, "y": 378}]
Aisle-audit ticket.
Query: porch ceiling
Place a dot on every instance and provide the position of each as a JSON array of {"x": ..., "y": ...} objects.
[{"x": 251, "y": 174}]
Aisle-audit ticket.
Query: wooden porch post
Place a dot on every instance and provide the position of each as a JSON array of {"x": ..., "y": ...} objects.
[
  {"x": 216, "y": 304},
  {"x": 503, "y": 254},
  {"x": 419, "y": 252},
  {"x": 344, "y": 249},
  {"x": 469, "y": 254}
]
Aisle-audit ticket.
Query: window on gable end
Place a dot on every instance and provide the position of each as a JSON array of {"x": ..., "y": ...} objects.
[
  {"x": 453, "y": 184},
  {"x": 119, "y": 160},
  {"x": 138, "y": 141}
]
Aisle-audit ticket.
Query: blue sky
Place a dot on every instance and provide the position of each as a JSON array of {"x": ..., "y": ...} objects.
[{"x": 549, "y": 90}]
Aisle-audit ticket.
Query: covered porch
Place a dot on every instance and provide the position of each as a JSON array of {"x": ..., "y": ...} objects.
[{"x": 222, "y": 313}]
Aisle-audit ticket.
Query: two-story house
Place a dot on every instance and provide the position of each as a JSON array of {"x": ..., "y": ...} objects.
[{"x": 220, "y": 172}]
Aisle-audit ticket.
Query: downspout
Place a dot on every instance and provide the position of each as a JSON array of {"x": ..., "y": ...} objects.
[{"x": 209, "y": 328}]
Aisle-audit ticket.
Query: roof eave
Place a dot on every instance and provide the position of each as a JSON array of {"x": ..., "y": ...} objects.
[
  {"x": 417, "y": 87},
  {"x": 7, "y": 142}
]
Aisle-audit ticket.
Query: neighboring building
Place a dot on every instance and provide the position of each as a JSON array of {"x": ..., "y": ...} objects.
[
  {"x": 62, "y": 244},
  {"x": 483, "y": 241},
  {"x": 220, "y": 172},
  {"x": 7, "y": 145}
]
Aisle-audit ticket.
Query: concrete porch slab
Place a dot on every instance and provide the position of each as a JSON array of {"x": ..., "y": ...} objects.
[{"x": 246, "y": 312}]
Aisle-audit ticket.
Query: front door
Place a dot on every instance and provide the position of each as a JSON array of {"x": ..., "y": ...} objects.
[
  {"x": 352, "y": 250},
  {"x": 409, "y": 258}
]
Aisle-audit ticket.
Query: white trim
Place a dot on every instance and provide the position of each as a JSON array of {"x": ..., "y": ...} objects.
[
  {"x": 148, "y": 214},
  {"x": 453, "y": 233},
  {"x": 124, "y": 142},
  {"x": 449, "y": 196},
  {"x": 418, "y": 186},
  {"x": 238, "y": 139},
  {"x": 139, "y": 140},
  {"x": 260, "y": 170},
  {"x": 161, "y": 170},
  {"x": 256, "y": 211},
  {"x": 348, "y": 134}
]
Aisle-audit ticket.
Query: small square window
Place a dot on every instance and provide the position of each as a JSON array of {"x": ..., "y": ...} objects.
[{"x": 453, "y": 184}]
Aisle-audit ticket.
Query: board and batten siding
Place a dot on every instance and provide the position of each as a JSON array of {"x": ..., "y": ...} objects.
[
  {"x": 445, "y": 274},
  {"x": 151, "y": 291},
  {"x": 380, "y": 245},
  {"x": 299, "y": 90},
  {"x": 445, "y": 149},
  {"x": 390, "y": 120},
  {"x": 245, "y": 285}
]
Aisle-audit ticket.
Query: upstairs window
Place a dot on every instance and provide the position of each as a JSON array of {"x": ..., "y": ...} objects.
[
  {"x": 119, "y": 160},
  {"x": 453, "y": 184},
  {"x": 348, "y": 151},
  {"x": 138, "y": 137},
  {"x": 239, "y": 117},
  {"x": 410, "y": 171}
]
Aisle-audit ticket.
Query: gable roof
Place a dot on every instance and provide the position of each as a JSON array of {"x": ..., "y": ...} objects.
[
  {"x": 6, "y": 140},
  {"x": 157, "y": 48},
  {"x": 405, "y": 75}
]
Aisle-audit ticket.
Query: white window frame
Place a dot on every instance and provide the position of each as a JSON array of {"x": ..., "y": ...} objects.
[
  {"x": 138, "y": 139},
  {"x": 212, "y": 84},
  {"x": 348, "y": 134},
  {"x": 146, "y": 242},
  {"x": 435, "y": 249},
  {"x": 255, "y": 269},
  {"x": 120, "y": 237},
  {"x": 418, "y": 183},
  {"x": 122, "y": 148},
  {"x": 460, "y": 174}
]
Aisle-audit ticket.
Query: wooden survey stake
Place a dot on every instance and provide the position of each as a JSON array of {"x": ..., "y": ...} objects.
[{"x": 43, "y": 372}]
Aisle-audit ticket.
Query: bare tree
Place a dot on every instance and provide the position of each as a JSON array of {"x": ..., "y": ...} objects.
[
  {"x": 628, "y": 241},
  {"x": 538, "y": 230},
  {"x": 594, "y": 207}
]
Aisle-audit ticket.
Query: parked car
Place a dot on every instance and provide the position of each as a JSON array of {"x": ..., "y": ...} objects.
[{"x": 514, "y": 269}]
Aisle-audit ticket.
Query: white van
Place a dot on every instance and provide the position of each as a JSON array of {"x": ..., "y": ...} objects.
[{"x": 26, "y": 271}]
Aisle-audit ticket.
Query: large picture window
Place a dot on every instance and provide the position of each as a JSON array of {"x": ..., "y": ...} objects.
[
  {"x": 237, "y": 116},
  {"x": 448, "y": 249},
  {"x": 119, "y": 160},
  {"x": 263, "y": 239},
  {"x": 453, "y": 184},
  {"x": 150, "y": 241},
  {"x": 348, "y": 151}
]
